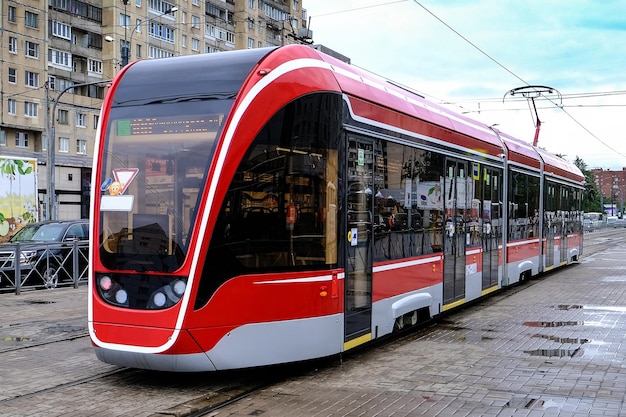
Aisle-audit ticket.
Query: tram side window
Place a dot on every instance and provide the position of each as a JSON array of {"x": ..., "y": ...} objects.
[
  {"x": 280, "y": 211},
  {"x": 408, "y": 209},
  {"x": 571, "y": 203},
  {"x": 523, "y": 206}
]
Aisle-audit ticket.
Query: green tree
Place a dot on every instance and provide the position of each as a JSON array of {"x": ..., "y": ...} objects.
[{"x": 591, "y": 202}]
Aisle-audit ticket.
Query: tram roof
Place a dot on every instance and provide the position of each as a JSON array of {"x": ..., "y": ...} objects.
[
  {"x": 412, "y": 103},
  {"x": 229, "y": 70},
  {"x": 559, "y": 166}
]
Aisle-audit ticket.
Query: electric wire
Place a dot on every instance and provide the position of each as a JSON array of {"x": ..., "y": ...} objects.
[{"x": 560, "y": 106}]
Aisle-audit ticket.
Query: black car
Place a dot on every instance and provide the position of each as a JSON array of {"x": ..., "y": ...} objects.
[{"x": 46, "y": 252}]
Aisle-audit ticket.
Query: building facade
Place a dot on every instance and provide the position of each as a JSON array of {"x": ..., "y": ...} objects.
[
  {"x": 612, "y": 186},
  {"x": 59, "y": 55}
]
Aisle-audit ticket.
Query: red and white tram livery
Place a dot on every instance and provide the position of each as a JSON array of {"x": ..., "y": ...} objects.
[{"x": 275, "y": 205}]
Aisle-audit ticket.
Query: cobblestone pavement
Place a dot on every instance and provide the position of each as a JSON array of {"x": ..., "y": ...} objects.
[{"x": 554, "y": 347}]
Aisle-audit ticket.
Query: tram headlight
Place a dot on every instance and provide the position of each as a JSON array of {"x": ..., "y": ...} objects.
[
  {"x": 167, "y": 295},
  {"x": 121, "y": 296},
  {"x": 179, "y": 287},
  {"x": 159, "y": 299}
]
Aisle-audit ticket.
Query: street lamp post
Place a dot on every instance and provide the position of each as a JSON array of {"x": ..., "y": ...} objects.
[
  {"x": 52, "y": 212},
  {"x": 127, "y": 45}
]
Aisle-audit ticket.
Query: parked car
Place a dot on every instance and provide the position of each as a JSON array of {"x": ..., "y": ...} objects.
[{"x": 46, "y": 252}]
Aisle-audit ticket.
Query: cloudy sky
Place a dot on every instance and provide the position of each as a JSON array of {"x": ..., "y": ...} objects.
[{"x": 471, "y": 53}]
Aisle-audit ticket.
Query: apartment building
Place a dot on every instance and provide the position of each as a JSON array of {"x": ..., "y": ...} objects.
[{"x": 59, "y": 55}]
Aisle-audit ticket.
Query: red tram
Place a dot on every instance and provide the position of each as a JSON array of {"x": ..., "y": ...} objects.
[{"x": 275, "y": 205}]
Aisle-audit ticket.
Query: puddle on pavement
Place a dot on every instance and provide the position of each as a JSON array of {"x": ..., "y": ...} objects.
[
  {"x": 564, "y": 340},
  {"x": 552, "y": 323},
  {"x": 38, "y": 302},
  {"x": 550, "y": 353},
  {"x": 568, "y": 307}
]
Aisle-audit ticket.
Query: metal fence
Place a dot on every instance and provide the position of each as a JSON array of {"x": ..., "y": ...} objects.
[
  {"x": 591, "y": 226},
  {"x": 46, "y": 266}
]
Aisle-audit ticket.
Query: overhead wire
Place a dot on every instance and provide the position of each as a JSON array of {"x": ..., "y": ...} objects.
[{"x": 560, "y": 106}]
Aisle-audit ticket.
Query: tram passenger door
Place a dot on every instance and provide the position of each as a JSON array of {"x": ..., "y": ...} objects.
[
  {"x": 492, "y": 225},
  {"x": 456, "y": 207},
  {"x": 358, "y": 242},
  {"x": 549, "y": 225}
]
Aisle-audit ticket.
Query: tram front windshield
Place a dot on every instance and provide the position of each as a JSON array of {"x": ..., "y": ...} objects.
[{"x": 154, "y": 165}]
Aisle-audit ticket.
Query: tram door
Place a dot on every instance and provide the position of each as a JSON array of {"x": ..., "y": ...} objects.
[
  {"x": 492, "y": 225},
  {"x": 358, "y": 242},
  {"x": 456, "y": 208}
]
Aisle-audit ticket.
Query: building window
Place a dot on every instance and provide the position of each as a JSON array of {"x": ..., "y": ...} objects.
[
  {"x": 64, "y": 145},
  {"x": 195, "y": 2},
  {"x": 61, "y": 30},
  {"x": 137, "y": 27},
  {"x": 60, "y": 58},
  {"x": 96, "y": 120},
  {"x": 81, "y": 147},
  {"x": 195, "y": 22},
  {"x": 21, "y": 139},
  {"x": 94, "y": 67},
  {"x": 251, "y": 4},
  {"x": 250, "y": 43},
  {"x": 12, "y": 15},
  {"x": 31, "y": 20},
  {"x": 81, "y": 120},
  {"x": 3, "y": 138},
  {"x": 215, "y": 11},
  {"x": 12, "y": 107},
  {"x": 31, "y": 79},
  {"x": 12, "y": 45},
  {"x": 62, "y": 117},
  {"x": 138, "y": 3},
  {"x": 138, "y": 52},
  {"x": 210, "y": 30},
  {"x": 32, "y": 49},
  {"x": 31, "y": 109},
  {"x": 12, "y": 75},
  {"x": 155, "y": 53},
  {"x": 195, "y": 44},
  {"x": 163, "y": 32},
  {"x": 183, "y": 41},
  {"x": 160, "y": 6},
  {"x": 124, "y": 20}
]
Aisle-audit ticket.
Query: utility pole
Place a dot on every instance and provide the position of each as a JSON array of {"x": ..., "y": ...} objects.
[
  {"x": 50, "y": 156},
  {"x": 125, "y": 45},
  {"x": 50, "y": 132}
]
